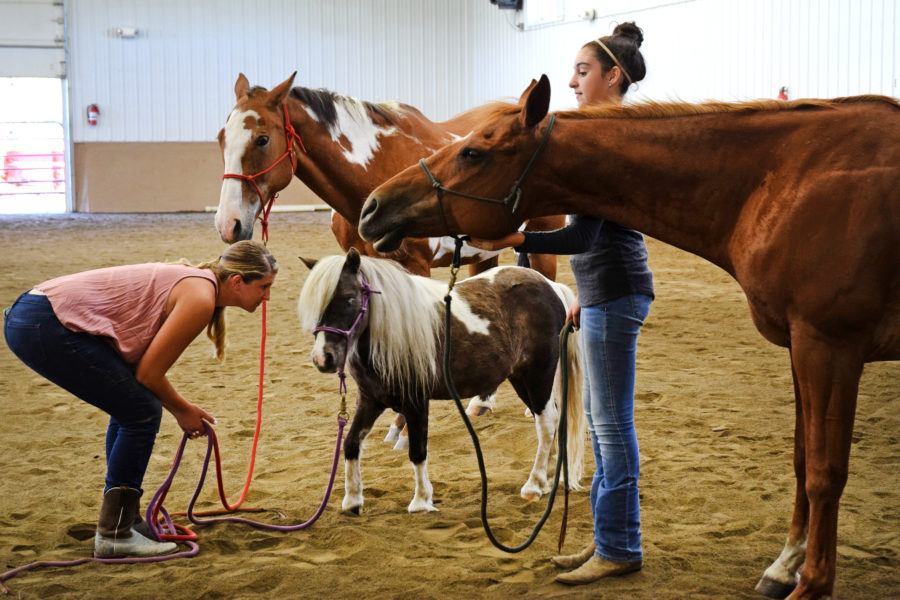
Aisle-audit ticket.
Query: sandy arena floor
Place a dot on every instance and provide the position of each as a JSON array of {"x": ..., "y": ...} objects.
[{"x": 715, "y": 421}]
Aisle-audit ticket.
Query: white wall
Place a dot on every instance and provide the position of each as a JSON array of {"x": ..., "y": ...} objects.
[{"x": 174, "y": 81}]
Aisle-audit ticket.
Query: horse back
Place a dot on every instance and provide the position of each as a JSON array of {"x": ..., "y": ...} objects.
[{"x": 523, "y": 314}]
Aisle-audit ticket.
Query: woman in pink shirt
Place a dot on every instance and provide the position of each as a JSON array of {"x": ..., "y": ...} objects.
[{"x": 109, "y": 336}]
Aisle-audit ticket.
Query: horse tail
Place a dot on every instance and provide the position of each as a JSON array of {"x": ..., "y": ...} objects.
[{"x": 576, "y": 424}]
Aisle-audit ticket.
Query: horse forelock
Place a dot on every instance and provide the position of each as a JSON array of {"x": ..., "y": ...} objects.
[
  {"x": 404, "y": 324},
  {"x": 660, "y": 110}
]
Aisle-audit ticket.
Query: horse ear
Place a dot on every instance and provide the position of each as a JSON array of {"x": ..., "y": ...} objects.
[
  {"x": 353, "y": 260},
  {"x": 281, "y": 90},
  {"x": 537, "y": 103},
  {"x": 309, "y": 262},
  {"x": 241, "y": 87},
  {"x": 530, "y": 87}
]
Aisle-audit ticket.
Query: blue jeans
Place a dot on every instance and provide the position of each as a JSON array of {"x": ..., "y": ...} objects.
[
  {"x": 609, "y": 333},
  {"x": 89, "y": 367}
]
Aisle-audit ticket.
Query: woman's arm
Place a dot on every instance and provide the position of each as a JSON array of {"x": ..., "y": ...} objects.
[
  {"x": 192, "y": 302},
  {"x": 576, "y": 237}
]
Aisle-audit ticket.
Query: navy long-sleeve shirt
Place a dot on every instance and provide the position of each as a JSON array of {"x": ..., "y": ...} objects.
[{"x": 609, "y": 261}]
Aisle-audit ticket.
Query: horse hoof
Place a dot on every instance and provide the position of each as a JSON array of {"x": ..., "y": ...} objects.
[
  {"x": 528, "y": 413},
  {"x": 774, "y": 589},
  {"x": 478, "y": 411},
  {"x": 402, "y": 443},
  {"x": 419, "y": 507},
  {"x": 355, "y": 510},
  {"x": 531, "y": 496}
]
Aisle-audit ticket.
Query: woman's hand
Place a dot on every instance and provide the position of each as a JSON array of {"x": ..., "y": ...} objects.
[
  {"x": 510, "y": 241},
  {"x": 190, "y": 418},
  {"x": 574, "y": 314}
]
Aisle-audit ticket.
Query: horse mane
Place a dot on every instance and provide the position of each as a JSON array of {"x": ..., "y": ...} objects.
[
  {"x": 404, "y": 319},
  {"x": 660, "y": 110},
  {"x": 324, "y": 103}
]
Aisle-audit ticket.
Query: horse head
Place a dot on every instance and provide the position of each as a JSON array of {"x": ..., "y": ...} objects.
[
  {"x": 336, "y": 300},
  {"x": 258, "y": 149},
  {"x": 470, "y": 186}
]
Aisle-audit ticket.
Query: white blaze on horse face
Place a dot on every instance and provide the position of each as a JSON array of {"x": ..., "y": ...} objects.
[
  {"x": 237, "y": 138},
  {"x": 318, "y": 351},
  {"x": 353, "y": 124}
]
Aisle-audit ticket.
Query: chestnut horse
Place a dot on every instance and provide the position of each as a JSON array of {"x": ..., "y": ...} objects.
[
  {"x": 342, "y": 149},
  {"x": 798, "y": 201},
  {"x": 387, "y": 326}
]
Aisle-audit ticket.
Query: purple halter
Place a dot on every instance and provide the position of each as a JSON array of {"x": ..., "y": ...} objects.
[{"x": 367, "y": 292}]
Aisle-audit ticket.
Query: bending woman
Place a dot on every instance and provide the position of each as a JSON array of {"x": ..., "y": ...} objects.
[{"x": 109, "y": 336}]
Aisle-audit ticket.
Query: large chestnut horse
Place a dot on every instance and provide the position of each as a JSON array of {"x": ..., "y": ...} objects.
[{"x": 798, "y": 201}]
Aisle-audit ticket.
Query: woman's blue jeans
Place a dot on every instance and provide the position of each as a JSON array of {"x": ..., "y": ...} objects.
[
  {"x": 89, "y": 367},
  {"x": 609, "y": 333}
]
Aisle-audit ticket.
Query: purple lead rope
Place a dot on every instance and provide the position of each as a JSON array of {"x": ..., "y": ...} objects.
[{"x": 157, "y": 531}]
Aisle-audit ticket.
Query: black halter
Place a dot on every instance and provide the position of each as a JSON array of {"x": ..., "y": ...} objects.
[{"x": 514, "y": 195}]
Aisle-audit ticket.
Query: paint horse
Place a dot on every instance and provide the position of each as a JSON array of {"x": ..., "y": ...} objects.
[
  {"x": 799, "y": 201},
  {"x": 387, "y": 326},
  {"x": 341, "y": 148}
]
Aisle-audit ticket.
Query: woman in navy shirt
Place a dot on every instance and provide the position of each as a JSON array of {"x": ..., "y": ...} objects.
[{"x": 615, "y": 289}]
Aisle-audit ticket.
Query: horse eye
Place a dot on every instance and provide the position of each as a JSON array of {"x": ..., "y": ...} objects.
[
  {"x": 471, "y": 154},
  {"x": 262, "y": 140}
]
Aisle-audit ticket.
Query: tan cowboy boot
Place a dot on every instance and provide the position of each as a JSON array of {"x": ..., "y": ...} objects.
[
  {"x": 572, "y": 561},
  {"x": 597, "y": 568},
  {"x": 115, "y": 535}
]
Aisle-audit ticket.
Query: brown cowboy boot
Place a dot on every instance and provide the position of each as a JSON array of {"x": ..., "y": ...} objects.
[
  {"x": 115, "y": 535},
  {"x": 572, "y": 561},
  {"x": 597, "y": 568}
]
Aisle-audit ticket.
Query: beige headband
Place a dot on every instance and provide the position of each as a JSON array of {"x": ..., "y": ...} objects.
[{"x": 615, "y": 60}]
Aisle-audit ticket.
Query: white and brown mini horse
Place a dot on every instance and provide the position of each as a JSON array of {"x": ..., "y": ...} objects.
[
  {"x": 341, "y": 148},
  {"x": 387, "y": 326},
  {"x": 799, "y": 201}
]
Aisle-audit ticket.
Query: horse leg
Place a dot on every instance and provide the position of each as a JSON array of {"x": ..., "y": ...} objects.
[
  {"x": 367, "y": 411},
  {"x": 545, "y": 423},
  {"x": 417, "y": 421},
  {"x": 782, "y": 576},
  {"x": 828, "y": 378},
  {"x": 481, "y": 267},
  {"x": 545, "y": 264}
]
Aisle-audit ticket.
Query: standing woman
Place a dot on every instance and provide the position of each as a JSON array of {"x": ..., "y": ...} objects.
[
  {"x": 615, "y": 289},
  {"x": 109, "y": 336}
]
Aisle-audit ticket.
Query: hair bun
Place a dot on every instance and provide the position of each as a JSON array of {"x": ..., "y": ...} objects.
[{"x": 630, "y": 30}]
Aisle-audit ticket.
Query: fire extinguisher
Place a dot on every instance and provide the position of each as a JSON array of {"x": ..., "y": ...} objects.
[
  {"x": 783, "y": 93},
  {"x": 93, "y": 113}
]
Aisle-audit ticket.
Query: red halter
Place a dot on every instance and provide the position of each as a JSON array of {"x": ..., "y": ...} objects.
[{"x": 290, "y": 134}]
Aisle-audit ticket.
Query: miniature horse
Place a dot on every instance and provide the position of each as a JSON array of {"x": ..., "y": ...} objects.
[
  {"x": 387, "y": 326},
  {"x": 342, "y": 149},
  {"x": 798, "y": 201}
]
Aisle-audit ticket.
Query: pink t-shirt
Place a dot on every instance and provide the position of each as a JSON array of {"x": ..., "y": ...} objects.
[{"x": 125, "y": 304}]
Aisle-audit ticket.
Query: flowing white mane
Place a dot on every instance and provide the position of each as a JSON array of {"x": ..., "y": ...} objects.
[{"x": 404, "y": 319}]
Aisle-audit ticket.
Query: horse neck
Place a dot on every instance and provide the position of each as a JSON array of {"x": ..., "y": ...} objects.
[
  {"x": 344, "y": 184},
  {"x": 682, "y": 180}
]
